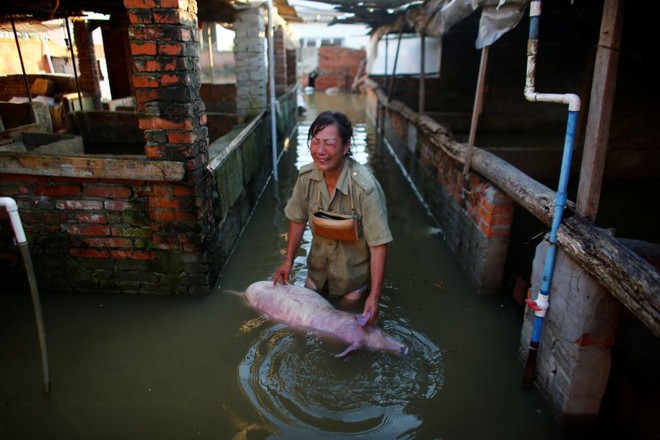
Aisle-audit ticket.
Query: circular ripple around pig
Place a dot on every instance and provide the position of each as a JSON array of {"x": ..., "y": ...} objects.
[{"x": 299, "y": 387}]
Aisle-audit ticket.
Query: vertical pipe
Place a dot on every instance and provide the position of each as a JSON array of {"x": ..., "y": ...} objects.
[
  {"x": 271, "y": 79},
  {"x": 73, "y": 61},
  {"x": 20, "y": 57},
  {"x": 541, "y": 303},
  {"x": 476, "y": 110},
  {"x": 21, "y": 241}
]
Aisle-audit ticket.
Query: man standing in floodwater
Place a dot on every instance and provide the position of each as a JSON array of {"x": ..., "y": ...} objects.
[{"x": 334, "y": 183}]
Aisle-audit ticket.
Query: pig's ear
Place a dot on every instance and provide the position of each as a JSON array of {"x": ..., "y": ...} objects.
[
  {"x": 363, "y": 319},
  {"x": 352, "y": 347}
]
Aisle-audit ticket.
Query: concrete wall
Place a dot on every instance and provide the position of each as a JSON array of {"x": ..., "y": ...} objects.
[{"x": 574, "y": 354}]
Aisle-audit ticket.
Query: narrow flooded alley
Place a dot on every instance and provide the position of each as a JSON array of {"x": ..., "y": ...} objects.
[{"x": 181, "y": 367}]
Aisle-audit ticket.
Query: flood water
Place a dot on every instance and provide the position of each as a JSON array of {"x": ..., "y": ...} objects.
[{"x": 153, "y": 367}]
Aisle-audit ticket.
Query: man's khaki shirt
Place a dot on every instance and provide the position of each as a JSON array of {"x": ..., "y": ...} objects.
[{"x": 338, "y": 267}]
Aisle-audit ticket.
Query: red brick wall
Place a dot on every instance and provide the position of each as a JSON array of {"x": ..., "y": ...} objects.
[
  {"x": 492, "y": 213},
  {"x": 281, "y": 67},
  {"x": 474, "y": 214},
  {"x": 337, "y": 67}
]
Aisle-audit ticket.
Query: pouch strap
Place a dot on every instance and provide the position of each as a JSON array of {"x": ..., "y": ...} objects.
[{"x": 350, "y": 192}]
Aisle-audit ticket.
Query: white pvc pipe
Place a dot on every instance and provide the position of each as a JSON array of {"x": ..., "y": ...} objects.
[
  {"x": 14, "y": 217},
  {"x": 12, "y": 209},
  {"x": 571, "y": 99}
]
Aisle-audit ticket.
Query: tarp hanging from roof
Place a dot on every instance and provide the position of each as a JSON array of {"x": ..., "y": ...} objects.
[{"x": 436, "y": 17}]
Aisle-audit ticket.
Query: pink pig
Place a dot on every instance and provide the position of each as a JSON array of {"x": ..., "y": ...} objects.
[{"x": 300, "y": 307}]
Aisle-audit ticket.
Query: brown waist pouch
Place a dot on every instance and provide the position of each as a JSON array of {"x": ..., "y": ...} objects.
[{"x": 335, "y": 226}]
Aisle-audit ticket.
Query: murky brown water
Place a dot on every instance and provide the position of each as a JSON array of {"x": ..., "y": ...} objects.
[{"x": 126, "y": 367}]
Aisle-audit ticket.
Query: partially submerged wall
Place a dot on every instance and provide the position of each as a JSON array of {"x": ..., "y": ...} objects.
[
  {"x": 475, "y": 215},
  {"x": 579, "y": 329},
  {"x": 155, "y": 221}
]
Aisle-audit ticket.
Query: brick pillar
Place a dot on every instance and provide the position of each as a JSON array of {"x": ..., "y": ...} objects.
[
  {"x": 165, "y": 48},
  {"x": 281, "y": 67},
  {"x": 291, "y": 67},
  {"x": 166, "y": 80},
  {"x": 88, "y": 68},
  {"x": 250, "y": 55},
  {"x": 573, "y": 361}
]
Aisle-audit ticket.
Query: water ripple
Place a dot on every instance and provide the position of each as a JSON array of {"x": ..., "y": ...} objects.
[{"x": 296, "y": 384}]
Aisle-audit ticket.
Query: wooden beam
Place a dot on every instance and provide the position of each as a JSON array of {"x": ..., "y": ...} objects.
[
  {"x": 628, "y": 277},
  {"x": 600, "y": 110},
  {"x": 632, "y": 281},
  {"x": 93, "y": 167}
]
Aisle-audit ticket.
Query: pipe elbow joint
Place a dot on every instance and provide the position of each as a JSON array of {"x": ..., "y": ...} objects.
[
  {"x": 9, "y": 204},
  {"x": 573, "y": 102}
]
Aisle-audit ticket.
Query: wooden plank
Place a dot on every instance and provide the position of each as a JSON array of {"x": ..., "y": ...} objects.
[
  {"x": 600, "y": 110},
  {"x": 93, "y": 167}
]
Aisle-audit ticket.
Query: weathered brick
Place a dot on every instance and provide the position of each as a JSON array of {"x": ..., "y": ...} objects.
[
  {"x": 107, "y": 242},
  {"x": 88, "y": 253},
  {"x": 88, "y": 229},
  {"x": 117, "y": 205},
  {"x": 133, "y": 255},
  {"x": 140, "y": 16},
  {"x": 79, "y": 205},
  {"x": 129, "y": 231},
  {"x": 92, "y": 218},
  {"x": 165, "y": 124},
  {"x": 144, "y": 48},
  {"x": 57, "y": 191},
  {"x": 161, "y": 215},
  {"x": 117, "y": 192},
  {"x": 136, "y": 4},
  {"x": 171, "y": 49},
  {"x": 145, "y": 81},
  {"x": 168, "y": 16},
  {"x": 181, "y": 137},
  {"x": 181, "y": 190}
]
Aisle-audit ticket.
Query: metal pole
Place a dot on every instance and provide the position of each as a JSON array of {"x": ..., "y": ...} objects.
[
  {"x": 396, "y": 60},
  {"x": 476, "y": 110},
  {"x": 209, "y": 39},
  {"x": 20, "y": 57},
  {"x": 271, "y": 79},
  {"x": 422, "y": 76},
  {"x": 73, "y": 61}
]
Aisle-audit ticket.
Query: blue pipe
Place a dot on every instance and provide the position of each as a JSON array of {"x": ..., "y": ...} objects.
[
  {"x": 560, "y": 203},
  {"x": 540, "y": 304}
]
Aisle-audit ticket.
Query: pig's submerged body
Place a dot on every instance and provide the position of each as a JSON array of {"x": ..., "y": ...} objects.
[{"x": 300, "y": 307}]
